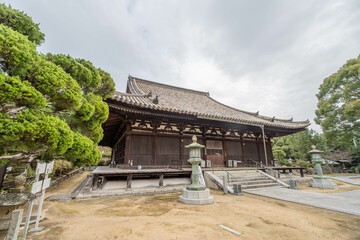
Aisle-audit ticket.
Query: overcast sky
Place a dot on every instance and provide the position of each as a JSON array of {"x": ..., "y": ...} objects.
[{"x": 268, "y": 56}]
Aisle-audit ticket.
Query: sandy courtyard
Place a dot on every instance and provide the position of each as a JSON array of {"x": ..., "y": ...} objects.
[{"x": 164, "y": 217}]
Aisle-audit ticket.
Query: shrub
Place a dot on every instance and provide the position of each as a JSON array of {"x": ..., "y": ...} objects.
[
  {"x": 310, "y": 170},
  {"x": 67, "y": 166},
  {"x": 104, "y": 162},
  {"x": 284, "y": 162},
  {"x": 301, "y": 163}
]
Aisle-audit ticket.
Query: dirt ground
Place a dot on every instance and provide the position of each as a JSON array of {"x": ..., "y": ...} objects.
[{"x": 164, "y": 217}]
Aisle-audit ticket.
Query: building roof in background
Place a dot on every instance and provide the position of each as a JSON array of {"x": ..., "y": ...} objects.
[{"x": 151, "y": 95}]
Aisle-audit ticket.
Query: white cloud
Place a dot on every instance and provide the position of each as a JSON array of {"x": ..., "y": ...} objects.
[{"x": 255, "y": 55}]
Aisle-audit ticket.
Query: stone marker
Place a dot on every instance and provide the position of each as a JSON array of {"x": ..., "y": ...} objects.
[
  {"x": 225, "y": 184},
  {"x": 320, "y": 181},
  {"x": 196, "y": 193},
  {"x": 14, "y": 226},
  {"x": 292, "y": 182},
  {"x": 237, "y": 189}
]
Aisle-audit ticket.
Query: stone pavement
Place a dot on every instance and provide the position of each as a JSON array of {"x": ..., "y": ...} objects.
[
  {"x": 348, "y": 179},
  {"x": 346, "y": 202}
]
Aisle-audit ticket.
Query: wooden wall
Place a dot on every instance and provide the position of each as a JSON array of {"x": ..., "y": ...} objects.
[{"x": 161, "y": 150}]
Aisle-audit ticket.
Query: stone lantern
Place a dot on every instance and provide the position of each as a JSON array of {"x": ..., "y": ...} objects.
[
  {"x": 317, "y": 160},
  {"x": 11, "y": 211},
  {"x": 195, "y": 194},
  {"x": 319, "y": 181}
]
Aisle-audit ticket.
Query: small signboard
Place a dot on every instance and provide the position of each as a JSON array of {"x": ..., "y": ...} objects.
[
  {"x": 49, "y": 167},
  {"x": 40, "y": 168},
  {"x": 36, "y": 187},
  {"x": 46, "y": 183}
]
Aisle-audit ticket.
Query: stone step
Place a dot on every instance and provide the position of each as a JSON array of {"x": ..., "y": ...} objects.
[
  {"x": 265, "y": 185},
  {"x": 248, "y": 179},
  {"x": 237, "y": 174},
  {"x": 243, "y": 183}
]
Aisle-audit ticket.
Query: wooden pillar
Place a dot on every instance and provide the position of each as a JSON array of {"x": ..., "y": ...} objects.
[
  {"x": 155, "y": 143},
  {"x": 204, "y": 153},
  {"x": 127, "y": 143},
  {"x": 242, "y": 149},
  {"x": 258, "y": 150},
  {"x": 181, "y": 152},
  {"x": 224, "y": 152},
  {"x": 113, "y": 154},
  {"x": 271, "y": 152},
  {"x": 127, "y": 148},
  {"x": 204, "y": 129}
]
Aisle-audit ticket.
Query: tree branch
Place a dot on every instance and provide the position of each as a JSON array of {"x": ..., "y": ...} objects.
[
  {"x": 14, "y": 157},
  {"x": 55, "y": 113}
]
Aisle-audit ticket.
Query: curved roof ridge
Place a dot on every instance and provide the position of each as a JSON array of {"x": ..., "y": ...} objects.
[
  {"x": 130, "y": 94},
  {"x": 281, "y": 120},
  {"x": 243, "y": 111},
  {"x": 164, "y": 85},
  {"x": 134, "y": 88}
]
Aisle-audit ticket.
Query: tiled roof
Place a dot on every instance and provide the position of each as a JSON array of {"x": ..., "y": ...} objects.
[{"x": 143, "y": 94}]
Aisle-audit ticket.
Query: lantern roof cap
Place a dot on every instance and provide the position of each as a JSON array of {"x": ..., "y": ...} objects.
[
  {"x": 314, "y": 150},
  {"x": 194, "y": 144}
]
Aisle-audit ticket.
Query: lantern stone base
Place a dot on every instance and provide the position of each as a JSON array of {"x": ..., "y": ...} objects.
[
  {"x": 196, "y": 197},
  {"x": 323, "y": 183}
]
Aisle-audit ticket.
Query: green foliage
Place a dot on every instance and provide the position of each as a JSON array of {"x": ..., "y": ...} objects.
[
  {"x": 83, "y": 151},
  {"x": 284, "y": 162},
  {"x": 301, "y": 163},
  {"x": 297, "y": 146},
  {"x": 4, "y": 162},
  {"x": 90, "y": 79},
  {"x": 21, "y": 23},
  {"x": 16, "y": 51},
  {"x": 338, "y": 110},
  {"x": 32, "y": 130},
  {"x": 13, "y": 90},
  {"x": 279, "y": 154},
  {"x": 49, "y": 105},
  {"x": 107, "y": 86}
]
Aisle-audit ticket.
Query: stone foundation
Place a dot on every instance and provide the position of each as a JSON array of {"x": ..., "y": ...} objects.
[
  {"x": 323, "y": 183},
  {"x": 196, "y": 197}
]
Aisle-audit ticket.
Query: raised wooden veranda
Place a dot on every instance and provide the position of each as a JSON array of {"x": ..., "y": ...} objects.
[{"x": 102, "y": 173}]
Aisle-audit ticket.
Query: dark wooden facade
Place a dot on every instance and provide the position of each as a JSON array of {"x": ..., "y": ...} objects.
[{"x": 153, "y": 136}]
